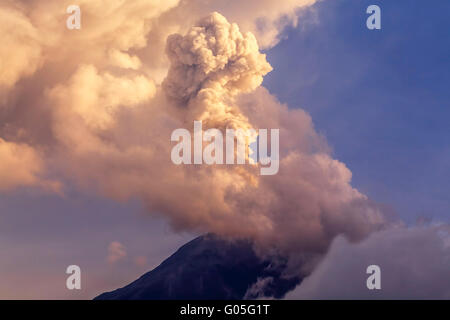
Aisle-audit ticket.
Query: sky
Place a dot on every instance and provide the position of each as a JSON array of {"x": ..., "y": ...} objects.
[{"x": 379, "y": 98}]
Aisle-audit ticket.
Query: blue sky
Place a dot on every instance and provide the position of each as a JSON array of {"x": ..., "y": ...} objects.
[{"x": 381, "y": 97}]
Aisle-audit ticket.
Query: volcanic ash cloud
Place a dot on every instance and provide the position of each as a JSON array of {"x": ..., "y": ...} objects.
[{"x": 106, "y": 114}]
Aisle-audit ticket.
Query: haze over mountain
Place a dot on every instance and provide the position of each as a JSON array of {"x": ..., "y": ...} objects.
[{"x": 210, "y": 267}]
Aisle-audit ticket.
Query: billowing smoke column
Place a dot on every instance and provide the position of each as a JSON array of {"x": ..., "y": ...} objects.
[
  {"x": 214, "y": 74},
  {"x": 107, "y": 101}
]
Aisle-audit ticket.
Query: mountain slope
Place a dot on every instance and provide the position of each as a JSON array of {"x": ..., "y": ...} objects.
[{"x": 207, "y": 267}]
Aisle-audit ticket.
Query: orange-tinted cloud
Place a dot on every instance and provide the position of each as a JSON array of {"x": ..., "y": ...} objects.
[
  {"x": 116, "y": 252},
  {"x": 109, "y": 95}
]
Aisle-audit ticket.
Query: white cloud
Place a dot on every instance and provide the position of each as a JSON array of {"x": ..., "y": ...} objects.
[{"x": 414, "y": 262}]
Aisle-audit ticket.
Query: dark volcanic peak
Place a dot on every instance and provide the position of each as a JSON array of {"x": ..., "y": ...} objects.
[{"x": 209, "y": 267}]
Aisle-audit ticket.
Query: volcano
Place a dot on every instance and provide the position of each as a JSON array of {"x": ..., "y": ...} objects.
[{"x": 210, "y": 268}]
